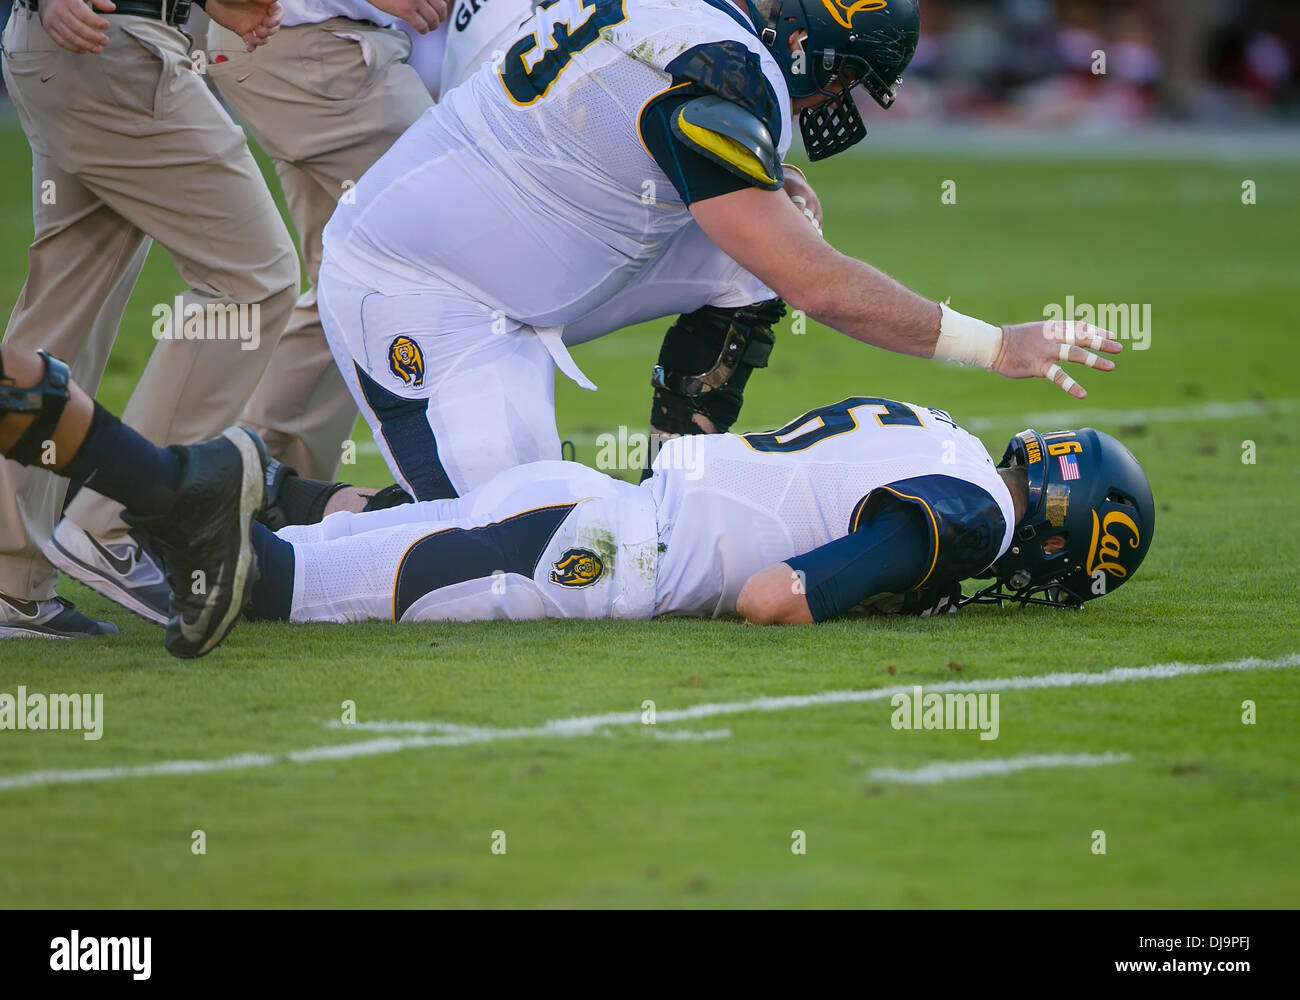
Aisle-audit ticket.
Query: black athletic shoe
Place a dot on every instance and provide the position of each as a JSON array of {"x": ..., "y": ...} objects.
[
  {"x": 52, "y": 619},
  {"x": 205, "y": 538}
]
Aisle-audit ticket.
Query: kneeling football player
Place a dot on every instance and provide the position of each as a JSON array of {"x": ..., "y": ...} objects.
[{"x": 864, "y": 504}]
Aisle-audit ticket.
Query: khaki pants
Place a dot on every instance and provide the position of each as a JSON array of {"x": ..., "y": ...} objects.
[
  {"x": 325, "y": 101},
  {"x": 129, "y": 146}
]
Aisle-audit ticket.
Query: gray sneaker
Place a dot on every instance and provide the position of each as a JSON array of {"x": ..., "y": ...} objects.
[
  {"x": 124, "y": 570},
  {"x": 52, "y": 619}
]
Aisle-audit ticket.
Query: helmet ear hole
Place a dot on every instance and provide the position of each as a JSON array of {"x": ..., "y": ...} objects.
[
  {"x": 1054, "y": 543},
  {"x": 1115, "y": 496}
]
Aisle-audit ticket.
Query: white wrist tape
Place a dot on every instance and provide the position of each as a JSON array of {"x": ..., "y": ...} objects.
[{"x": 966, "y": 339}]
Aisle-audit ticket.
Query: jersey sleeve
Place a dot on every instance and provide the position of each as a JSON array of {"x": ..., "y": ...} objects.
[
  {"x": 925, "y": 532},
  {"x": 727, "y": 70},
  {"x": 966, "y": 526},
  {"x": 886, "y": 555}
]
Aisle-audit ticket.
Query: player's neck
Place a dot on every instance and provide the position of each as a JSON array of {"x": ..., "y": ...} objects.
[{"x": 1018, "y": 485}]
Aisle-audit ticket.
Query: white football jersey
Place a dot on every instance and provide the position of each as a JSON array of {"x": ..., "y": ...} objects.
[
  {"x": 480, "y": 31},
  {"x": 316, "y": 11},
  {"x": 529, "y": 188},
  {"x": 730, "y": 505}
]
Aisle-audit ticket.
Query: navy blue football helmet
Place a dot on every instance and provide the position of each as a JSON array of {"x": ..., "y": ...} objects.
[
  {"x": 1086, "y": 489},
  {"x": 849, "y": 42}
]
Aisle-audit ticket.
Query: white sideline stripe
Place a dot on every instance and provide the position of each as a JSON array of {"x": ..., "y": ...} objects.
[
  {"x": 691, "y": 734},
  {"x": 585, "y": 724},
  {"x": 452, "y": 735},
  {"x": 1081, "y": 417},
  {"x": 933, "y": 774}
]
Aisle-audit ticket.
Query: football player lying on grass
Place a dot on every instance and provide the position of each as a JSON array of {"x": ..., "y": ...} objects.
[{"x": 867, "y": 502}]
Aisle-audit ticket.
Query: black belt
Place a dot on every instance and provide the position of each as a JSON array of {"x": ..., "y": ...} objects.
[{"x": 174, "y": 12}]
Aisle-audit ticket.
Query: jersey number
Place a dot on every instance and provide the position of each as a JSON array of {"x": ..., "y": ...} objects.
[
  {"x": 534, "y": 63},
  {"x": 830, "y": 421}
]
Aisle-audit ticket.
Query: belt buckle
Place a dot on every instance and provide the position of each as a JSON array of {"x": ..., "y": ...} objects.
[{"x": 180, "y": 12}]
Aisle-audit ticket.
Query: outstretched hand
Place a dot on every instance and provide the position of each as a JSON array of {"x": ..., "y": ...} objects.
[{"x": 1036, "y": 350}]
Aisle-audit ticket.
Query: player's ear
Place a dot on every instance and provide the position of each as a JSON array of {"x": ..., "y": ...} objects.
[{"x": 1053, "y": 544}]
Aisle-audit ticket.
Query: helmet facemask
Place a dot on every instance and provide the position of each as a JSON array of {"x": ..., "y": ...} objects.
[{"x": 836, "y": 124}]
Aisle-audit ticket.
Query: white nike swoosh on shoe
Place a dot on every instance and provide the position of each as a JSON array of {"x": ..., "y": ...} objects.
[
  {"x": 122, "y": 566},
  {"x": 115, "y": 587}
]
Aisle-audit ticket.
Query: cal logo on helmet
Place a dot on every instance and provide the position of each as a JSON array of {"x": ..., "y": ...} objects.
[
  {"x": 406, "y": 360},
  {"x": 1105, "y": 548},
  {"x": 577, "y": 568},
  {"x": 843, "y": 12}
]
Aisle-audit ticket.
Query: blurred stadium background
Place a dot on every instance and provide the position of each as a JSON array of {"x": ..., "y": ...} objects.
[{"x": 1030, "y": 63}]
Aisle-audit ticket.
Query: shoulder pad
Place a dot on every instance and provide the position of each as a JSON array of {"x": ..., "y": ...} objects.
[{"x": 732, "y": 137}]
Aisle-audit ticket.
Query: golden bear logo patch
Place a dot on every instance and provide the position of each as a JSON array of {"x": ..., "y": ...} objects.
[
  {"x": 577, "y": 568},
  {"x": 406, "y": 360}
]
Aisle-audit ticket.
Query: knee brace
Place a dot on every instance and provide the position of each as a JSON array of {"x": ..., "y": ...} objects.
[
  {"x": 46, "y": 400},
  {"x": 706, "y": 359}
]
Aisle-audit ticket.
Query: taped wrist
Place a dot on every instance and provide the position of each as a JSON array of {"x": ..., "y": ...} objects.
[
  {"x": 965, "y": 339},
  {"x": 706, "y": 360},
  {"x": 292, "y": 499},
  {"x": 46, "y": 399}
]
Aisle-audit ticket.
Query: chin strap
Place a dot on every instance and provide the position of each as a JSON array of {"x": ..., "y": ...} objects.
[
  {"x": 766, "y": 24},
  {"x": 46, "y": 400}
]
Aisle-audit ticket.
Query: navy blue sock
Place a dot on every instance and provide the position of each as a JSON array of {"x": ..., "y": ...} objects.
[
  {"x": 273, "y": 591},
  {"x": 119, "y": 463}
]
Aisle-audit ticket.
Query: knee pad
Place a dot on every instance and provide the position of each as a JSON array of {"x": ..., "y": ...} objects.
[
  {"x": 706, "y": 359},
  {"x": 46, "y": 400}
]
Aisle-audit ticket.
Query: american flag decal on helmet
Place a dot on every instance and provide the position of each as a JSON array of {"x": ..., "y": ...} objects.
[{"x": 1069, "y": 467}]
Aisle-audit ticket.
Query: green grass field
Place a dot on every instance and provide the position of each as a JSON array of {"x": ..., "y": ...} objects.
[{"x": 1203, "y": 812}]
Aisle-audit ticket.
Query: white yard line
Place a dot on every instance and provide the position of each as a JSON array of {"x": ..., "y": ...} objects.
[
  {"x": 580, "y": 725},
  {"x": 441, "y": 734},
  {"x": 933, "y": 774}
]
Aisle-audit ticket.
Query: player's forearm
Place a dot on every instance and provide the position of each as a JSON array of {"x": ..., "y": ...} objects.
[
  {"x": 766, "y": 234},
  {"x": 868, "y": 305}
]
